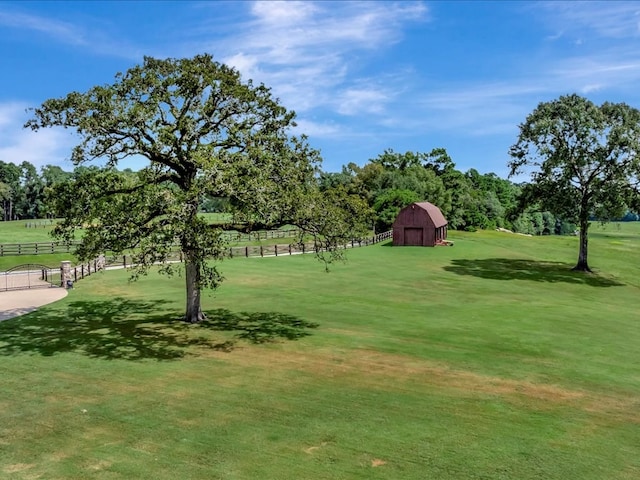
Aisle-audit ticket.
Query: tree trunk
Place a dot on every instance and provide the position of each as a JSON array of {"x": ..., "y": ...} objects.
[
  {"x": 583, "y": 265},
  {"x": 193, "y": 312}
]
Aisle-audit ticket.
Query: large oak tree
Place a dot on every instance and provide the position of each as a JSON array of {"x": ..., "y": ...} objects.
[
  {"x": 204, "y": 134},
  {"x": 583, "y": 161}
]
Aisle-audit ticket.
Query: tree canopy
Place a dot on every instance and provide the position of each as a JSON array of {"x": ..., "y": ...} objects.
[
  {"x": 204, "y": 133},
  {"x": 583, "y": 161}
]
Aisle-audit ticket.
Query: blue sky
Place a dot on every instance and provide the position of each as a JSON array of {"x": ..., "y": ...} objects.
[{"x": 363, "y": 76}]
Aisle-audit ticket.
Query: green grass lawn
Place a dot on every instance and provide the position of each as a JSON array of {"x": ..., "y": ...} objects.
[
  {"x": 29, "y": 231},
  {"x": 17, "y": 232},
  {"x": 486, "y": 360}
]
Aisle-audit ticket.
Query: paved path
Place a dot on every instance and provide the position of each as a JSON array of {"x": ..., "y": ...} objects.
[{"x": 18, "y": 302}]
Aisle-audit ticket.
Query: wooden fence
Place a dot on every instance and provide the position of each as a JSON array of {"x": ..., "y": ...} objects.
[
  {"x": 54, "y": 275},
  {"x": 86, "y": 269},
  {"x": 42, "y": 248},
  {"x": 38, "y": 248},
  {"x": 291, "y": 249},
  {"x": 277, "y": 250}
]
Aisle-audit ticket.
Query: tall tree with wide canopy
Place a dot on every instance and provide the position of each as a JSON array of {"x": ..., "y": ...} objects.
[
  {"x": 583, "y": 161},
  {"x": 204, "y": 133}
]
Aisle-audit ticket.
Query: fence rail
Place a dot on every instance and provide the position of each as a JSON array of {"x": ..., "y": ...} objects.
[
  {"x": 37, "y": 248},
  {"x": 42, "y": 248},
  {"x": 39, "y": 276},
  {"x": 277, "y": 250}
]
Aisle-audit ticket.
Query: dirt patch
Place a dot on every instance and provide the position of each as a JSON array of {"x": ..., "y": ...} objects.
[
  {"x": 17, "y": 467},
  {"x": 99, "y": 465},
  {"x": 349, "y": 333},
  {"x": 310, "y": 450},
  {"x": 379, "y": 370},
  {"x": 253, "y": 281},
  {"x": 376, "y": 462},
  {"x": 58, "y": 456}
]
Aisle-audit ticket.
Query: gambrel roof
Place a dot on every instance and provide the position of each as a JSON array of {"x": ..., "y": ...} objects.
[{"x": 433, "y": 212}]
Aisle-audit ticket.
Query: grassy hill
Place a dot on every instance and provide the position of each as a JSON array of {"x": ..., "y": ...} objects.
[{"x": 486, "y": 360}]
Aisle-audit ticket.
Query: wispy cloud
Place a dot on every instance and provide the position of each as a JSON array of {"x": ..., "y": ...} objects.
[
  {"x": 358, "y": 101},
  {"x": 599, "y": 69},
  {"x": 311, "y": 53},
  {"x": 318, "y": 129},
  {"x": 48, "y": 146},
  {"x": 605, "y": 19},
  {"x": 59, "y": 30},
  {"x": 491, "y": 108},
  {"x": 607, "y": 69},
  {"x": 9, "y": 112},
  {"x": 93, "y": 39}
]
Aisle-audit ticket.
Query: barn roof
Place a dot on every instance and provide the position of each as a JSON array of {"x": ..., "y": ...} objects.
[{"x": 434, "y": 212}]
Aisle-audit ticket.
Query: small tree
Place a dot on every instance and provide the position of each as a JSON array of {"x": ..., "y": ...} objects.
[
  {"x": 205, "y": 134},
  {"x": 585, "y": 161}
]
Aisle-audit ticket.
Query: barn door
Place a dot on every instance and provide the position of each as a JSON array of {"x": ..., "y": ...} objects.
[{"x": 413, "y": 236}]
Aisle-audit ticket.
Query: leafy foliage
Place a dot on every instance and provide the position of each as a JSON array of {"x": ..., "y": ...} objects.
[
  {"x": 205, "y": 134},
  {"x": 583, "y": 161}
]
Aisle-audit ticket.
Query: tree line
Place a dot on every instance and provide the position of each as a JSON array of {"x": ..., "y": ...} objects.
[
  {"x": 469, "y": 200},
  {"x": 23, "y": 190}
]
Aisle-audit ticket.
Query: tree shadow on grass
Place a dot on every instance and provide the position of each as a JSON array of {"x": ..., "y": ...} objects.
[
  {"x": 256, "y": 327},
  {"x": 126, "y": 329},
  {"x": 521, "y": 269}
]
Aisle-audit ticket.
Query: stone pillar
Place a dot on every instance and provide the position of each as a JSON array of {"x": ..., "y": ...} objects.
[{"x": 65, "y": 272}]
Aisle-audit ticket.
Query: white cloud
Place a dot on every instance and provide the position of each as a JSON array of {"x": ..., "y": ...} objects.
[
  {"x": 591, "y": 88},
  {"x": 358, "y": 101},
  {"x": 62, "y": 31},
  {"x": 246, "y": 64},
  {"x": 319, "y": 130},
  {"x": 47, "y": 146},
  {"x": 310, "y": 53},
  {"x": 281, "y": 13},
  {"x": 9, "y": 112},
  {"x": 608, "y": 69},
  {"x": 94, "y": 39},
  {"x": 605, "y": 19}
]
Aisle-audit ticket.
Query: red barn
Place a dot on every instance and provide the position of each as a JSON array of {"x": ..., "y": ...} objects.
[{"x": 420, "y": 224}]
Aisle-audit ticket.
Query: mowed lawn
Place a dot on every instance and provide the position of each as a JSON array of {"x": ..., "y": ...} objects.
[{"x": 486, "y": 360}]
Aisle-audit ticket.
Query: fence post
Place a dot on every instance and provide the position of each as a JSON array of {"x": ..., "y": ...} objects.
[
  {"x": 75, "y": 274},
  {"x": 246, "y": 252},
  {"x": 261, "y": 251},
  {"x": 230, "y": 252},
  {"x": 275, "y": 249},
  {"x": 65, "y": 272},
  {"x": 289, "y": 249},
  {"x": 124, "y": 261}
]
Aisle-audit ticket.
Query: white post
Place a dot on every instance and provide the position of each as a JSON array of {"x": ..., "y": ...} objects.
[{"x": 65, "y": 272}]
